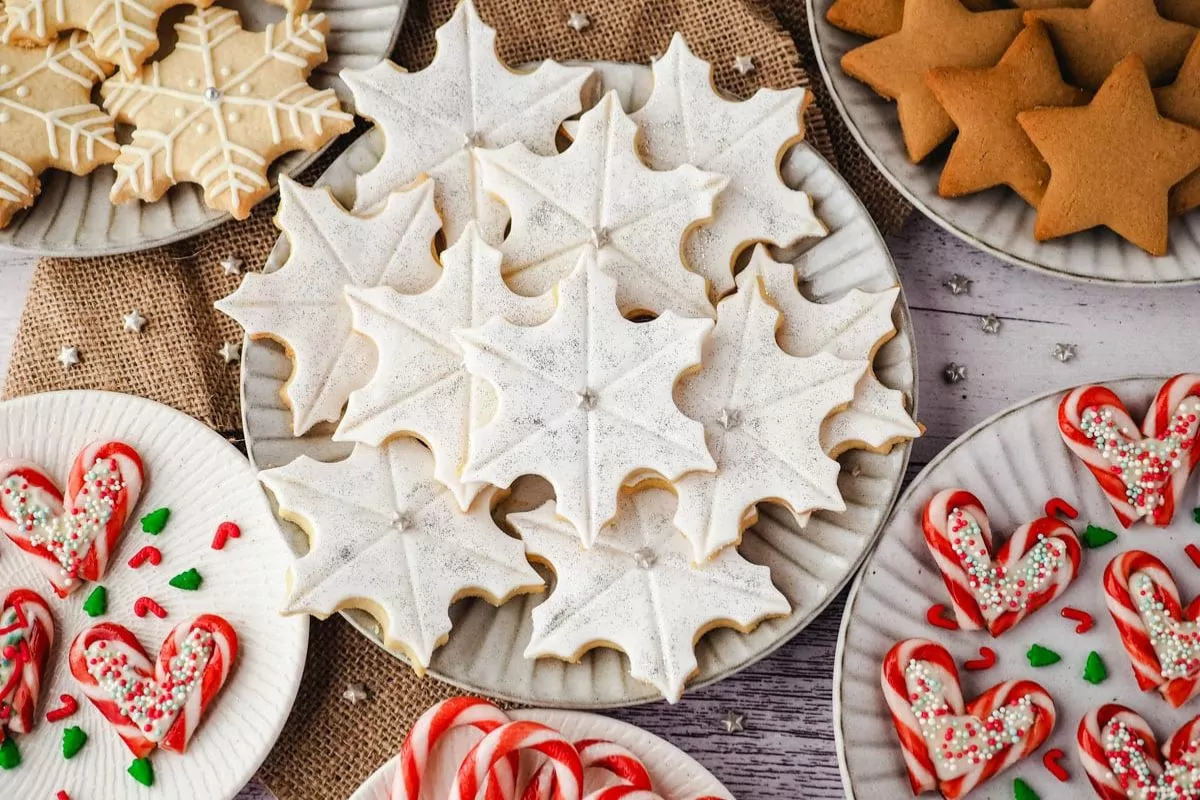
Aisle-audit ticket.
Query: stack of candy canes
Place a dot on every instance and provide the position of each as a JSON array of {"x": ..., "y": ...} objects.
[{"x": 492, "y": 766}]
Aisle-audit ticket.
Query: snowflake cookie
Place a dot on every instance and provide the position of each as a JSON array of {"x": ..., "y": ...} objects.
[
  {"x": 221, "y": 108},
  {"x": 47, "y": 120},
  {"x": 388, "y": 538},
  {"x": 638, "y": 590},
  {"x": 585, "y": 399},
  {"x": 302, "y": 304},
  {"x": 434, "y": 121},
  {"x": 762, "y": 411}
]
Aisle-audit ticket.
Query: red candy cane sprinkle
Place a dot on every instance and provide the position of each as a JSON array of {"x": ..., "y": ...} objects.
[
  {"x": 148, "y": 553},
  {"x": 1193, "y": 553},
  {"x": 146, "y": 605},
  {"x": 1056, "y": 506},
  {"x": 1086, "y": 621},
  {"x": 62, "y": 795},
  {"x": 986, "y": 660},
  {"x": 939, "y": 617},
  {"x": 225, "y": 532},
  {"x": 68, "y": 707},
  {"x": 1051, "y": 762}
]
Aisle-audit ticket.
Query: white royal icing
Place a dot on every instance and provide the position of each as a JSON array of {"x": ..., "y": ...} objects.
[{"x": 1176, "y": 642}]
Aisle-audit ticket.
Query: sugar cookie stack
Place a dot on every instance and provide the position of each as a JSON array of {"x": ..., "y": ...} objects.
[{"x": 583, "y": 324}]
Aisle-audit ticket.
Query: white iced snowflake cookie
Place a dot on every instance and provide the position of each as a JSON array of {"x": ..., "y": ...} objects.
[
  {"x": 599, "y": 197},
  {"x": 585, "y": 399},
  {"x": 302, "y": 304},
  {"x": 388, "y": 538},
  {"x": 422, "y": 386},
  {"x": 854, "y": 327},
  {"x": 435, "y": 120},
  {"x": 762, "y": 411},
  {"x": 221, "y": 108},
  {"x": 638, "y": 590}
]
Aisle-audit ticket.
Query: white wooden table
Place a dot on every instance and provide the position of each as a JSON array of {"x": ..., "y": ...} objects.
[{"x": 787, "y": 750}]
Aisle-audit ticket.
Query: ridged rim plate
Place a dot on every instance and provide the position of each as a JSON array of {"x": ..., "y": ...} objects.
[
  {"x": 675, "y": 774},
  {"x": 998, "y": 220},
  {"x": 809, "y": 566},
  {"x": 204, "y": 481},
  {"x": 1013, "y": 463},
  {"x": 73, "y": 217}
]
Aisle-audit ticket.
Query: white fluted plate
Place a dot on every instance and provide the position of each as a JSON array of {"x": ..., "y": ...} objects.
[
  {"x": 73, "y": 217},
  {"x": 204, "y": 481},
  {"x": 1013, "y": 463},
  {"x": 809, "y": 566},
  {"x": 675, "y": 774},
  {"x": 997, "y": 221}
]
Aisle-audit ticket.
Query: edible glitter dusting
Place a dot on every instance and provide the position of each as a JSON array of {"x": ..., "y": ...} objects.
[
  {"x": 999, "y": 590},
  {"x": 1125, "y": 749},
  {"x": 68, "y": 536},
  {"x": 1144, "y": 465},
  {"x": 1176, "y": 643},
  {"x": 151, "y": 705},
  {"x": 959, "y": 744}
]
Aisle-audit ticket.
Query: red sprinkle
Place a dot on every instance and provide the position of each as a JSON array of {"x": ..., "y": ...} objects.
[
  {"x": 939, "y": 617},
  {"x": 1193, "y": 553},
  {"x": 1050, "y": 762},
  {"x": 62, "y": 795},
  {"x": 1056, "y": 506},
  {"x": 225, "y": 532},
  {"x": 148, "y": 553},
  {"x": 986, "y": 660},
  {"x": 146, "y": 605},
  {"x": 1086, "y": 621},
  {"x": 68, "y": 707}
]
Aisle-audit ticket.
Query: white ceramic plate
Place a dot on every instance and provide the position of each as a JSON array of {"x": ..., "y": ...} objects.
[
  {"x": 809, "y": 566},
  {"x": 998, "y": 220},
  {"x": 1013, "y": 463},
  {"x": 675, "y": 774},
  {"x": 204, "y": 481},
  {"x": 73, "y": 216}
]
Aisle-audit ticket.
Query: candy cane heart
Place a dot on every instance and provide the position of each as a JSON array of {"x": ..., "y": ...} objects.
[
  {"x": 26, "y": 635},
  {"x": 593, "y": 754},
  {"x": 1161, "y": 637},
  {"x": 161, "y": 703},
  {"x": 954, "y": 746},
  {"x": 1143, "y": 473},
  {"x": 71, "y": 538},
  {"x": 1034, "y": 567},
  {"x": 436, "y": 722},
  {"x": 1122, "y": 759},
  {"x": 511, "y": 738}
]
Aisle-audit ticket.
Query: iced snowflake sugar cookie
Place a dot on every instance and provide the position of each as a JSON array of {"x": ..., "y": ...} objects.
[
  {"x": 388, "y": 538},
  {"x": 330, "y": 250},
  {"x": 435, "y": 121},
  {"x": 585, "y": 399},
  {"x": 47, "y": 119},
  {"x": 221, "y": 108},
  {"x": 638, "y": 590}
]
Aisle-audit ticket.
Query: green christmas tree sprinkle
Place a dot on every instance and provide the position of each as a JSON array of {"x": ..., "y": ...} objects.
[
  {"x": 10, "y": 756},
  {"x": 142, "y": 771},
  {"x": 1022, "y": 791},
  {"x": 1094, "y": 670},
  {"x": 96, "y": 604},
  {"x": 189, "y": 581},
  {"x": 1196, "y": 513},
  {"x": 73, "y": 741},
  {"x": 1042, "y": 656},
  {"x": 1095, "y": 536},
  {"x": 154, "y": 522}
]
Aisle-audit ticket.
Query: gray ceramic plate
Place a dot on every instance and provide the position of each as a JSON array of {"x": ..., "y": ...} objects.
[{"x": 73, "y": 216}]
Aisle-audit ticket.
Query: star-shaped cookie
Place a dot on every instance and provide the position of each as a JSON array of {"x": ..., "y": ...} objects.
[
  {"x": 877, "y": 18},
  {"x": 991, "y": 148},
  {"x": 935, "y": 33},
  {"x": 1090, "y": 41},
  {"x": 1181, "y": 11},
  {"x": 1112, "y": 162},
  {"x": 1181, "y": 102}
]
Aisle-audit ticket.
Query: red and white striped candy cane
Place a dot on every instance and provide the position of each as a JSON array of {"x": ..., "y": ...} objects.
[
  {"x": 935, "y": 525},
  {"x": 435, "y": 723},
  {"x": 593, "y": 754},
  {"x": 126, "y": 644},
  {"x": 511, "y": 738},
  {"x": 30, "y": 636},
  {"x": 623, "y": 793},
  {"x": 1089, "y": 739},
  {"x": 922, "y": 774},
  {"x": 216, "y": 673},
  {"x": 129, "y": 464}
]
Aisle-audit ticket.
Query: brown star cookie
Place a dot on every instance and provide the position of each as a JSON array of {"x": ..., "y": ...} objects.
[
  {"x": 935, "y": 33},
  {"x": 1181, "y": 11},
  {"x": 991, "y": 148},
  {"x": 1181, "y": 102},
  {"x": 1112, "y": 162},
  {"x": 879, "y": 18},
  {"x": 1090, "y": 41}
]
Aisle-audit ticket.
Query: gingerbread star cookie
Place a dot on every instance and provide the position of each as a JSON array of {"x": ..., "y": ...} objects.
[
  {"x": 1090, "y": 41},
  {"x": 1187, "y": 11},
  {"x": 1112, "y": 162},
  {"x": 935, "y": 33},
  {"x": 991, "y": 148},
  {"x": 637, "y": 590},
  {"x": 1181, "y": 102},
  {"x": 222, "y": 107},
  {"x": 386, "y": 537},
  {"x": 877, "y": 18},
  {"x": 47, "y": 119}
]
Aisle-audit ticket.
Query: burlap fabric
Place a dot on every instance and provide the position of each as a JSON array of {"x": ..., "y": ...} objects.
[{"x": 329, "y": 746}]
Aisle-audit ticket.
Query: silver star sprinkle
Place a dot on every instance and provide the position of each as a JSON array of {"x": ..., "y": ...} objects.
[
  {"x": 578, "y": 21},
  {"x": 355, "y": 693},
  {"x": 644, "y": 558},
  {"x": 599, "y": 237},
  {"x": 212, "y": 94},
  {"x": 958, "y": 284},
  {"x": 232, "y": 265},
  {"x": 1063, "y": 352},
  {"x": 401, "y": 522},
  {"x": 231, "y": 353},
  {"x": 990, "y": 323},
  {"x": 587, "y": 399},
  {"x": 729, "y": 419},
  {"x": 743, "y": 65},
  {"x": 134, "y": 322},
  {"x": 953, "y": 373},
  {"x": 68, "y": 356},
  {"x": 733, "y": 722},
  {"x": 855, "y": 471}
]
